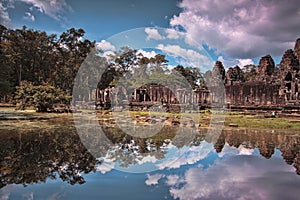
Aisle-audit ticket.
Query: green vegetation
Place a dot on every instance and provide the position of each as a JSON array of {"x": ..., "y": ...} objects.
[
  {"x": 134, "y": 70},
  {"x": 260, "y": 122},
  {"x": 49, "y": 63},
  {"x": 37, "y": 57},
  {"x": 41, "y": 97},
  {"x": 241, "y": 119},
  {"x": 41, "y": 59},
  {"x": 32, "y": 152}
]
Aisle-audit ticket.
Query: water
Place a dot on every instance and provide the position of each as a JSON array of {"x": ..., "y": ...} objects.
[{"x": 47, "y": 159}]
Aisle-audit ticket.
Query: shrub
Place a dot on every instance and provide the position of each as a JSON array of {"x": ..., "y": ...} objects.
[{"x": 41, "y": 97}]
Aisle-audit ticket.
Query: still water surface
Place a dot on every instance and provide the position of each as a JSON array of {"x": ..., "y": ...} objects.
[{"x": 47, "y": 159}]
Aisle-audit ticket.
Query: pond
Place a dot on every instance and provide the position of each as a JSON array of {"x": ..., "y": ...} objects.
[{"x": 52, "y": 159}]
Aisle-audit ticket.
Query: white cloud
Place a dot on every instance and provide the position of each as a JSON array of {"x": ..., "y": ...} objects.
[
  {"x": 29, "y": 16},
  {"x": 229, "y": 150},
  {"x": 241, "y": 29},
  {"x": 240, "y": 177},
  {"x": 228, "y": 62},
  {"x": 105, "y": 167},
  {"x": 233, "y": 62},
  {"x": 190, "y": 41},
  {"x": 245, "y": 151},
  {"x": 5, "y": 191},
  {"x": 4, "y": 16},
  {"x": 187, "y": 155},
  {"x": 57, "y": 195},
  {"x": 243, "y": 62},
  {"x": 153, "y": 179},
  {"x": 28, "y": 196},
  {"x": 146, "y": 159},
  {"x": 173, "y": 180},
  {"x": 173, "y": 34},
  {"x": 53, "y": 8},
  {"x": 153, "y": 33},
  {"x": 109, "y": 55},
  {"x": 191, "y": 57},
  {"x": 105, "y": 46},
  {"x": 147, "y": 54}
]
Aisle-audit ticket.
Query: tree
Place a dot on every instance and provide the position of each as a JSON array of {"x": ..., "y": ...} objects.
[
  {"x": 158, "y": 63},
  {"x": 45, "y": 153},
  {"x": 41, "y": 97},
  {"x": 235, "y": 74},
  {"x": 37, "y": 57},
  {"x": 125, "y": 59},
  {"x": 191, "y": 74},
  {"x": 6, "y": 81},
  {"x": 250, "y": 72},
  {"x": 141, "y": 72},
  {"x": 71, "y": 50},
  {"x": 30, "y": 54}
]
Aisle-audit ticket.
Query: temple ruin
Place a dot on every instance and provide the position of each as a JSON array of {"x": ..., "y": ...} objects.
[
  {"x": 268, "y": 87},
  {"x": 271, "y": 87}
]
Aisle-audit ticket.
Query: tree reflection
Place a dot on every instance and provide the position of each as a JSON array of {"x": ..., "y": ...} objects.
[
  {"x": 32, "y": 156},
  {"x": 266, "y": 142},
  {"x": 28, "y": 156},
  {"x": 129, "y": 150}
]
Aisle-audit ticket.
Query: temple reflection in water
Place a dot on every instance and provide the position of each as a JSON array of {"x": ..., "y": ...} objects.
[{"x": 29, "y": 156}]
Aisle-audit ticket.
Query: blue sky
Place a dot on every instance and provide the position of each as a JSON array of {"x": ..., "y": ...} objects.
[
  {"x": 235, "y": 32},
  {"x": 100, "y": 19}
]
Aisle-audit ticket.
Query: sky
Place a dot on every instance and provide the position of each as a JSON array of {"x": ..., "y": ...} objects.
[{"x": 234, "y": 32}]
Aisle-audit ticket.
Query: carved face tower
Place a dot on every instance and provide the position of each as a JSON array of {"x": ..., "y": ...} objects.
[
  {"x": 297, "y": 48},
  {"x": 266, "y": 66}
]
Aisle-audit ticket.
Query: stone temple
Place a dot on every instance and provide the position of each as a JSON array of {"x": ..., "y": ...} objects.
[
  {"x": 270, "y": 86},
  {"x": 265, "y": 86}
]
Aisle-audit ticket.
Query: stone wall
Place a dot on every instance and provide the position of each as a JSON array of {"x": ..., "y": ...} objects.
[
  {"x": 253, "y": 94},
  {"x": 153, "y": 94}
]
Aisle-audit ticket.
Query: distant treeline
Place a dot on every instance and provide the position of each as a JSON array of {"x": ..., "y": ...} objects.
[
  {"x": 39, "y": 58},
  {"x": 35, "y": 58}
]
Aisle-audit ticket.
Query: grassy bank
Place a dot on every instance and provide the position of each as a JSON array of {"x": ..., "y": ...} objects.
[
  {"x": 239, "y": 119},
  {"x": 258, "y": 121}
]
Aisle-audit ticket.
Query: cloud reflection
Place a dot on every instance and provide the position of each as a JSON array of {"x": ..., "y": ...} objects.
[
  {"x": 153, "y": 179},
  {"x": 240, "y": 177},
  {"x": 186, "y": 155},
  {"x": 229, "y": 150}
]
